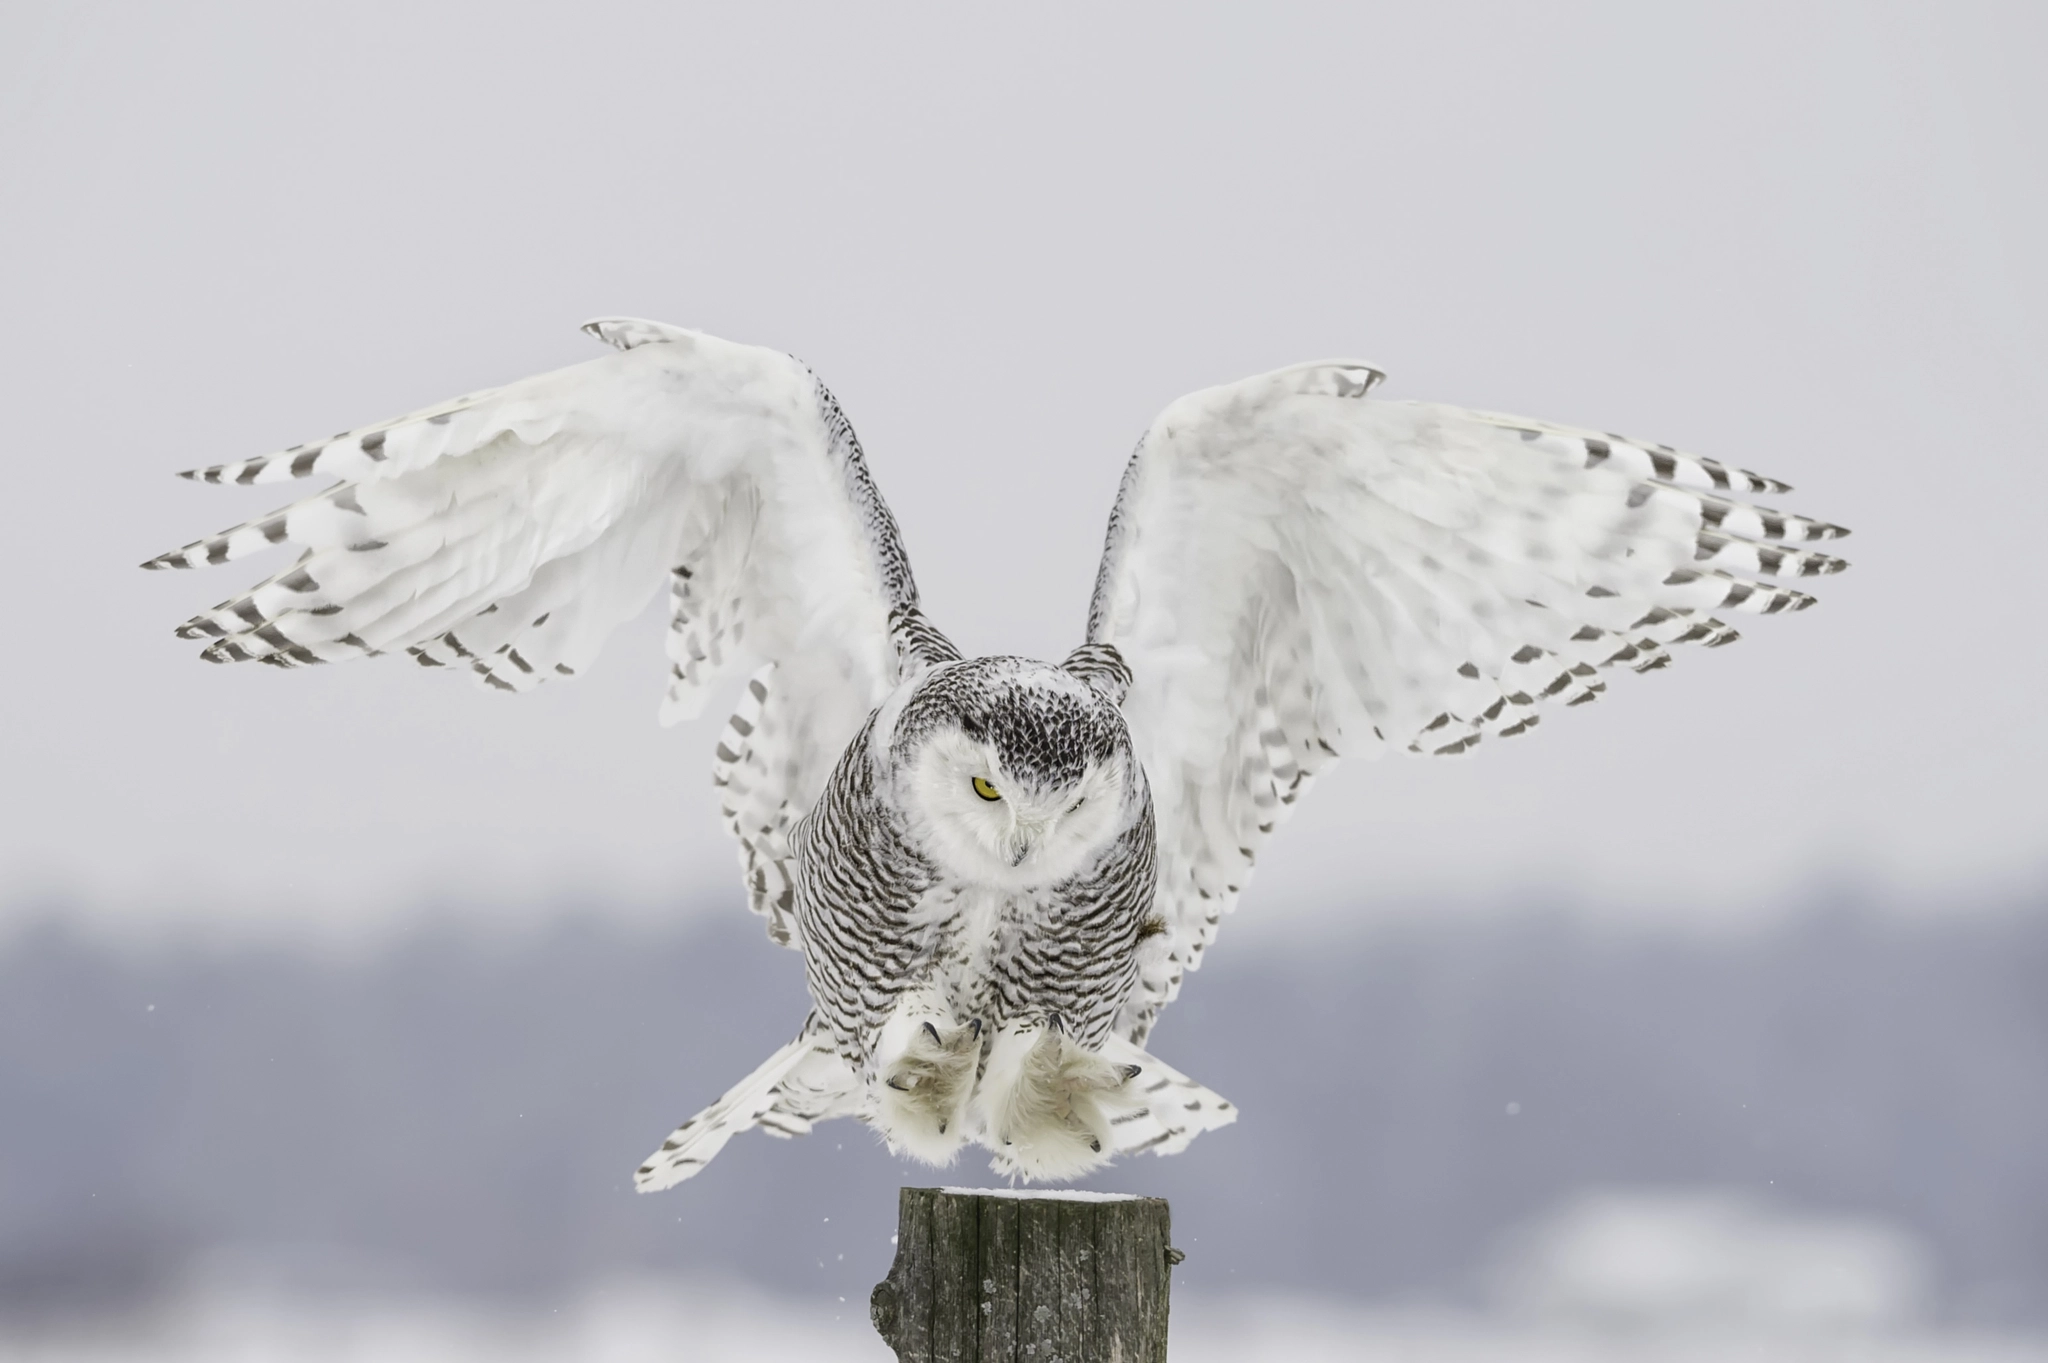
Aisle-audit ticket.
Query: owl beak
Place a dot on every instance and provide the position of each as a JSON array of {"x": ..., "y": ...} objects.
[{"x": 1024, "y": 835}]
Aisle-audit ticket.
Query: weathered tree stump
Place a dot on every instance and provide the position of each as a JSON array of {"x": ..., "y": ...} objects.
[{"x": 992, "y": 1276}]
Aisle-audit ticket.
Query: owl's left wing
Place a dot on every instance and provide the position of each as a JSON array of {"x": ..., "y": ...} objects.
[{"x": 1296, "y": 570}]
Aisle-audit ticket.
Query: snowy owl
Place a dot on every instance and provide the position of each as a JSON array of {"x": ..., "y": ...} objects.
[{"x": 998, "y": 870}]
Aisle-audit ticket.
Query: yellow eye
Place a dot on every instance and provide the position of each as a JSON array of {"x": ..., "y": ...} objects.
[{"x": 985, "y": 790}]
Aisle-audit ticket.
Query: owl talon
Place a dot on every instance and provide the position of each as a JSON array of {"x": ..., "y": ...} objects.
[
  {"x": 1051, "y": 1101},
  {"x": 932, "y": 1068}
]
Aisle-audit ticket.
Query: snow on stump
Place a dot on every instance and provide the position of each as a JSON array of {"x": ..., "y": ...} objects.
[{"x": 998, "y": 1276}]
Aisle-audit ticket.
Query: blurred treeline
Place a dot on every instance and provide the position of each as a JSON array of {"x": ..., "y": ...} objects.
[{"x": 457, "y": 1111}]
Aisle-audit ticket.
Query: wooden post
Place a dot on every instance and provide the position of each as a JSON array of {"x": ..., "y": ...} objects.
[{"x": 994, "y": 1276}]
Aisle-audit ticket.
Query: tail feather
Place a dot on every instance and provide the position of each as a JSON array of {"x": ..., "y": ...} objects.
[
  {"x": 1176, "y": 1110},
  {"x": 803, "y": 1083}
]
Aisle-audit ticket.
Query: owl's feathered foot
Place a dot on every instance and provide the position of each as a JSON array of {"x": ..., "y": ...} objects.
[
  {"x": 926, "y": 1064},
  {"x": 1048, "y": 1106}
]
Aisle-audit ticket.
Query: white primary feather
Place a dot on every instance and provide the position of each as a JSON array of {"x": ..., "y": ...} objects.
[{"x": 1295, "y": 570}]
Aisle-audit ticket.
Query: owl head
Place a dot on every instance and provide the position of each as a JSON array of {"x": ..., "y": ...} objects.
[{"x": 1013, "y": 773}]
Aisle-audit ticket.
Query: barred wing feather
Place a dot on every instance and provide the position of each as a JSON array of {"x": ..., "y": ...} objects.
[
  {"x": 508, "y": 532},
  {"x": 1296, "y": 570}
]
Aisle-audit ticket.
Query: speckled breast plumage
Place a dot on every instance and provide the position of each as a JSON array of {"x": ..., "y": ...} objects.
[{"x": 879, "y": 915}]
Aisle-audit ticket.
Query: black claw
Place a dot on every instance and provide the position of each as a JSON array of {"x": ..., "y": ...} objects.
[
  {"x": 1096, "y": 1146},
  {"x": 894, "y": 1085},
  {"x": 1132, "y": 1072},
  {"x": 942, "y": 1128},
  {"x": 933, "y": 1033},
  {"x": 976, "y": 1025}
]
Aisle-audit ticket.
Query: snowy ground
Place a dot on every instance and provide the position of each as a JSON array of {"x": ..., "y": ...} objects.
[{"x": 710, "y": 1323}]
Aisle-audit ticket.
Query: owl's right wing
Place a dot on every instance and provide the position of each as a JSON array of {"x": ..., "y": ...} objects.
[
  {"x": 508, "y": 532},
  {"x": 1295, "y": 569}
]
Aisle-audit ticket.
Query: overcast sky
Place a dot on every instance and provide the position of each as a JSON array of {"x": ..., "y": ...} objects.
[{"x": 1802, "y": 238}]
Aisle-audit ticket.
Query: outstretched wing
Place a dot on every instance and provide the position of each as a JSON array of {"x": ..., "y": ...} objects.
[
  {"x": 506, "y": 533},
  {"x": 1295, "y": 570}
]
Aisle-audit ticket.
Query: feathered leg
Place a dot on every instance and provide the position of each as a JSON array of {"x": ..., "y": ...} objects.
[
  {"x": 925, "y": 1062},
  {"x": 1048, "y": 1107}
]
